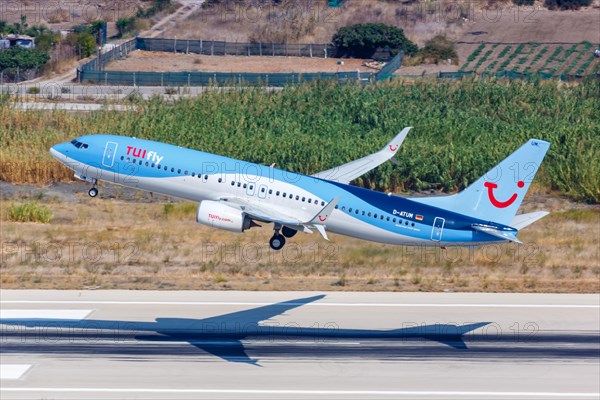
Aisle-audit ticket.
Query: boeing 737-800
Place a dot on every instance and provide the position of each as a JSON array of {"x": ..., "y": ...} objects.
[{"x": 236, "y": 195}]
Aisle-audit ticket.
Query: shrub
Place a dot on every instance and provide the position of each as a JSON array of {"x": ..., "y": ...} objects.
[
  {"x": 125, "y": 26},
  {"x": 437, "y": 49},
  {"x": 567, "y": 4},
  {"x": 30, "y": 211},
  {"x": 86, "y": 44},
  {"x": 523, "y": 2},
  {"x": 17, "y": 57},
  {"x": 362, "y": 40}
]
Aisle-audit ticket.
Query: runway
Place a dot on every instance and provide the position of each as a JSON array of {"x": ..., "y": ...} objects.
[{"x": 186, "y": 345}]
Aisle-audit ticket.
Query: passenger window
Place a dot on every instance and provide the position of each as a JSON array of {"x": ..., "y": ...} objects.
[
  {"x": 343, "y": 208},
  {"x": 270, "y": 191},
  {"x": 146, "y": 163},
  {"x": 336, "y": 206},
  {"x": 166, "y": 167},
  {"x": 128, "y": 159},
  {"x": 245, "y": 186},
  {"x": 251, "y": 187},
  {"x": 406, "y": 223},
  {"x": 291, "y": 196},
  {"x": 172, "y": 169},
  {"x": 388, "y": 219},
  {"x": 220, "y": 180},
  {"x": 381, "y": 217},
  {"x": 193, "y": 174},
  {"x": 152, "y": 165},
  {"x": 185, "y": 172},
  {"x": 322, "y": 203},
  {"x": 239, "y": 184},
  {"x": 412, "y": 224},
  {"x": 232, "y": 183},
  {"x": 122, "y": 158},
  {"x": 350, "y": 210},
  {"x": 363, "y": 213},
  {"x": 369, "y": 214},
  {"x": 375, "y": 216},
  {"x": 309, "y": 200},
  {"x": 394, "y": 220},
  {"x": 262, "y": 190},
  {"x": 179, "y": 170},
  {"x": 140, "y": 162},
  {"x": 205, "y": 177},
  {"x": 297, "y": 197},
  {"x": 277, "y": 193}
]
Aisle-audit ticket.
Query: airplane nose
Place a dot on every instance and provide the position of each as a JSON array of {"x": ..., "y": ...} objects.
[{"x": 58, "y": 151}]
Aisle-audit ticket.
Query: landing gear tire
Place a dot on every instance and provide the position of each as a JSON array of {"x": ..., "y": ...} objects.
[
  {"x": 277, "y": 241},
  {"x": 93, "y": 192},
  {"x": 288, "y": 232}
]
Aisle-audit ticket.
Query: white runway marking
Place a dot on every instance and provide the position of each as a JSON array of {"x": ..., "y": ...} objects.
[
  {"x": 13, "y": 371},
  {"x": 276, "y": 392},
  {"x": 44, "y": 314},
  {"x": 237, "y": 303}
]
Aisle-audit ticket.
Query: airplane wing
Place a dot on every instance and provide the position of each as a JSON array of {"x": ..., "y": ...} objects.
[
  {"x": 352, "y": 170},
  {"x": 261, "y": 213}
]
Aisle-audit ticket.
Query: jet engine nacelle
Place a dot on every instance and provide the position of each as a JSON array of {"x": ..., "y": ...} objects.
[{"x": 218, "y": 215}]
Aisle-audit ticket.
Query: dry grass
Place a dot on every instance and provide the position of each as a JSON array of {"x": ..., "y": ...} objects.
[
  {"x": 154, "y": 61},
  {"x": 153, "y": 245}
]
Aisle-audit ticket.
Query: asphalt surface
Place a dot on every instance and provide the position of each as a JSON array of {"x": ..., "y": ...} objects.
[{"x": 127, "y": 344}]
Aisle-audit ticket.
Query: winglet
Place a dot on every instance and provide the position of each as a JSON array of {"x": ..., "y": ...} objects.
[
  {"x": 396, "y": 142},
  {"x": 325, "y": 213}
]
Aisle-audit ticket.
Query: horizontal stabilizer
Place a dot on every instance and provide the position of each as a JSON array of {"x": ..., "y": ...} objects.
[
  {"x": 490, "y": 230},
  {"x": 522, "y": 220}
]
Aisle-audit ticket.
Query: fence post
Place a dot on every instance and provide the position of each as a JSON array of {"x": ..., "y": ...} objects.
[
  {"x": 200, "y": 46},
  {"x": 189, "y": 79},
  {"x": 310, "y": 50},
  {"x": 105, "y": 78},
  {"x": 212, "y": 48},
  {"x": 260, "y": 49},
  {"x": 175, "y": 45},
  {"x": 162, "y": 79},
  {"x": 2, "y": 78},
  {"x": 187, "y": 49},
  {"x": 286, "y": 50},
  {"x": 273, "y": 47},
  {"x": 267, "y": 80},
  {"x": 134, "y": 79},
  {"x": 325, "y": 51}
]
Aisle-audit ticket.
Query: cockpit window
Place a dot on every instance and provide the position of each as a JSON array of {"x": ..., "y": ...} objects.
[{"x": 79, "y": 144}]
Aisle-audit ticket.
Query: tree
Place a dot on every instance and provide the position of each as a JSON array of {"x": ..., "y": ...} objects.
[
  {"x": 362, "y": 40},
  {"x": 18, "y": 57},
  {"x": 86, "y": 44}
]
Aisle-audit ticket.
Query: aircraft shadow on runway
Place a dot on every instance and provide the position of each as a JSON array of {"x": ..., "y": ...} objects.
[{"x": 222, "y": 335}]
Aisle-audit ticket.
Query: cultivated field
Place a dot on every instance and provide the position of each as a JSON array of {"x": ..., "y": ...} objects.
[
  {"x": 551, "y": 59},
  {"x": 154, "y": 61},
  {"x": 130, "y": 240}
]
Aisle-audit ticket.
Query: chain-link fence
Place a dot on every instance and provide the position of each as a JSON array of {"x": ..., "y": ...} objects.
[
  {"x": 180, "y": 79},
  {"x": 16, "y": 75},
  {"x": 220, "y": 48},
  {"x": 117, "y": 53}
]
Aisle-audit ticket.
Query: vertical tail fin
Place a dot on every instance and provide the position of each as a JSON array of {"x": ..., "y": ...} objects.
[{"x": 497, "y": 195}]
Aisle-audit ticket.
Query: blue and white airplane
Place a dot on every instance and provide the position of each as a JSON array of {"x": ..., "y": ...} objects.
[{"x": 236, "y": 195}]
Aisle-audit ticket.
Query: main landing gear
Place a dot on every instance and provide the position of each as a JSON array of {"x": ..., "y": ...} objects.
[
  {"x": 93, "y": 192},
  {"x": 278, "y": 240}
]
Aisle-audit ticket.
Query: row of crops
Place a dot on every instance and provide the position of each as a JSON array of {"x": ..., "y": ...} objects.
[
  {"x": 461, "y": 129},
  {"x": 548, "y": 59}
]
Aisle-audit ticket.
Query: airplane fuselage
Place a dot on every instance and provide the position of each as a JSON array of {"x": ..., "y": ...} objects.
[{"x": 198, "y": 176}]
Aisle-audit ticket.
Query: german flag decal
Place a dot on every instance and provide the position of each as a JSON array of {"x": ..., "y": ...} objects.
[{"x": 419, "y": 217}]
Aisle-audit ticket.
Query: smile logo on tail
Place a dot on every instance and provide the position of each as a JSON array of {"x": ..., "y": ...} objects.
[
  {"x": 323, "y": 219},
  {"x": 392, "y": 148},
  {"x": 497, "y": 203}
]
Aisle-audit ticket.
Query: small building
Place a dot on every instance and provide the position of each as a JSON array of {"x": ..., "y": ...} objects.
[{"x": 23, "y": 41}]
